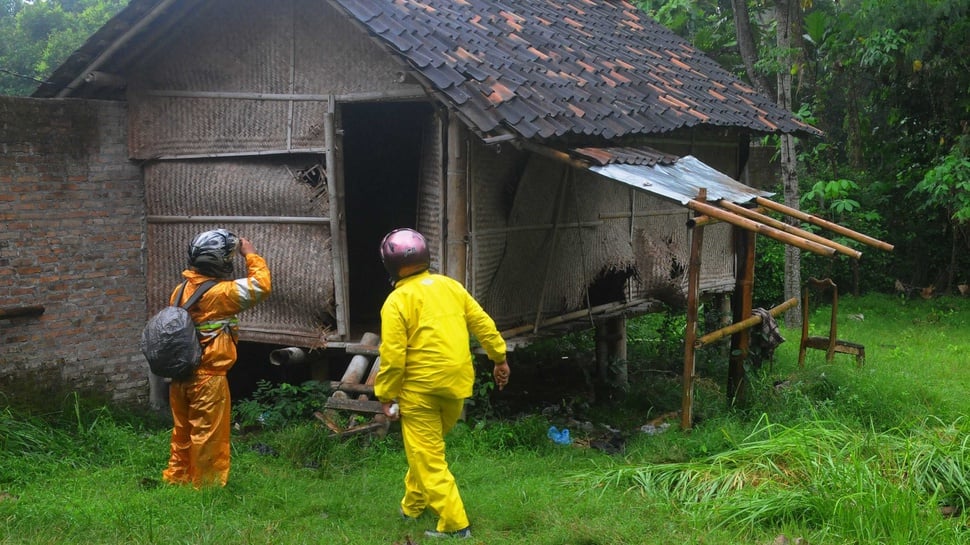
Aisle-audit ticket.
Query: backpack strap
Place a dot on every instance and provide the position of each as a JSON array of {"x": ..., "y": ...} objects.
[{"x": 203, "y": 287}]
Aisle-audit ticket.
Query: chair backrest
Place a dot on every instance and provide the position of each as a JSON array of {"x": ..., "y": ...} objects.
[{"x": 820, "y": 287}]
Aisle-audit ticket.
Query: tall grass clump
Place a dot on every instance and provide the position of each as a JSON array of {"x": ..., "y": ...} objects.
[{"x": 831, "y": 480}]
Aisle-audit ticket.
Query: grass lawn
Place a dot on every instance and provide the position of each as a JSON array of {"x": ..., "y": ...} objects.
[{"x": 830, "y": 453}]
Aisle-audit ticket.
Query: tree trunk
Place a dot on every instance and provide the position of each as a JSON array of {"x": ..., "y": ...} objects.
[
  {"x": 787, "y": 19},
  {"x": 747, "y": 47}
]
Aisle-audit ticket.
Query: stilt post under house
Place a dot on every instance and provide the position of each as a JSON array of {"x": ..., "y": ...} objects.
[{"x": 690, "y": 334}]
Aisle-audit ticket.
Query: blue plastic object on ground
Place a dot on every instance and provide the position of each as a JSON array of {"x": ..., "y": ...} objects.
[{"x": 559, "y": 437}]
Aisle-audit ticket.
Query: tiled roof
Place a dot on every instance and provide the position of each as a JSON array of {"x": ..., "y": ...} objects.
[
  {"x": 550, "y": 68},
  {"x": 531, "y": 68}
]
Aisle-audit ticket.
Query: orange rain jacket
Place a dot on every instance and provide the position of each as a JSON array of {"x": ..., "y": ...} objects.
[
  {"x": 425, "y": 347},
  {"x": 215, "y": 313}
]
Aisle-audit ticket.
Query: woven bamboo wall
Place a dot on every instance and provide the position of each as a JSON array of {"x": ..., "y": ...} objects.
[
  {"x": 299, "y": 254},
  {"x": 430, "y": 189},
  {"x": 495, "y": 174},
  {"x": 214, "y": 86},
  {"x": 520, "y": 259}
]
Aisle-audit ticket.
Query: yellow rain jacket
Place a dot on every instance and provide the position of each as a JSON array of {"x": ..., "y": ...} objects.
[
  {"x": 200, "y": 403},
  {"x": 425, "y": 347}
]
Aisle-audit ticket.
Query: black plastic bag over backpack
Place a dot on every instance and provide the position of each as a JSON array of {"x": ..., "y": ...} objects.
[{"x": 170, "y": 342}]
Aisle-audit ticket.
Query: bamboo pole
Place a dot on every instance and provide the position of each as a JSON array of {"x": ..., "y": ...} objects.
[
  {"x": 759, "y": 228},
  {"x": 508, "y": 333},
  {"x": 741, "y": 310},
  {"x": 338, "y": 225},
  {"x": 240, "y": 219},
  {"x": 825, "y": 224},
  {"x": 743, "y": 324},
  {"x": 791, "y": 229},
  {"x": 455, "y": 221},
  {"x": 690, "y": 334}
]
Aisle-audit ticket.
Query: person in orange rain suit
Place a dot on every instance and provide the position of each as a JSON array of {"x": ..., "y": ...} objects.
[
  {"x": 427, "y": 369},
  {"x": 200, "y": 403}
]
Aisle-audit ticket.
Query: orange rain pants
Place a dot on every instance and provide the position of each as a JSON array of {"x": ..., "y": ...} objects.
[{"x": 200, "y": 436}]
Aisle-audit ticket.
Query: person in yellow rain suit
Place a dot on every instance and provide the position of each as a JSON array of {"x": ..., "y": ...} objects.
[
  {"x": 200, "y": 403},
  {"x": 427, "y": 369}
]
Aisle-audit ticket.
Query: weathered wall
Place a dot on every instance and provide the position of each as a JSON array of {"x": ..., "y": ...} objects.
[{"x": 72, "y": 216}]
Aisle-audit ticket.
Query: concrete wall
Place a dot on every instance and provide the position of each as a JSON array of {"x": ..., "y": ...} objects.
[{"x": 71, "y": 240}]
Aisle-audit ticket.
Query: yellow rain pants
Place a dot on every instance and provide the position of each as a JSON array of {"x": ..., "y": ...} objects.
[{"x": 425, "y": 420}]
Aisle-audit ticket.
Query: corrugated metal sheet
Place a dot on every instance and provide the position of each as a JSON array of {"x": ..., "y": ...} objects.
[{"x": 681, "y": 181}]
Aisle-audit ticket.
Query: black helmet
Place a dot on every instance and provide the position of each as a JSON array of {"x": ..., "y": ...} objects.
[
  {"x": 211, "y": 253},
  {"x": 404, "y": 253}
]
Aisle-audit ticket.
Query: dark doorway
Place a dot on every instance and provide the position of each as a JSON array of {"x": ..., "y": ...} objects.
[{"x": 382, "y": 166}]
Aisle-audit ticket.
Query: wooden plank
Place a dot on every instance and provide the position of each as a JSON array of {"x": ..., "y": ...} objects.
[
  {"x": 356, "y": 405},
  {"x": 352, "y": 388},
  {"x": 363, "y": 349}
]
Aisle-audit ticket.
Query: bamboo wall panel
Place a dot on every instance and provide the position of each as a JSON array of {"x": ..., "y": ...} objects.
[
  {"x": 546, "y": 268},
  {"x": 299, "y": 254},
  {"x": 251, "y": 76}
]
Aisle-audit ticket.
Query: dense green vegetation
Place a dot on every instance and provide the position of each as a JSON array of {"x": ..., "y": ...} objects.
[
  {"x": 36, "y": 37},
  {"x": 887, "y": 81},
  {"x": 831, "y": 453}
]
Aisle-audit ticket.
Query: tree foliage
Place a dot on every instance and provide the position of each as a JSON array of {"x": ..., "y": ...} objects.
[
  {"x": 36, "y": 37},
  {"x": 887, "y": 81}
]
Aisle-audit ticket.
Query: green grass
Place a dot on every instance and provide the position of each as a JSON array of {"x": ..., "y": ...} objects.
[{"x": 831, "y": 453}]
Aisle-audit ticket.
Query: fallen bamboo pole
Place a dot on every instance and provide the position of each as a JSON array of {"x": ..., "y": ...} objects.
[
  {"x": 567, "y": 317},
  {"x": 791, "y": 229},
  {"x": 825, "y": 224},
  {"x": 760, "y": 228},
  {"x": 743, "y": 324}
]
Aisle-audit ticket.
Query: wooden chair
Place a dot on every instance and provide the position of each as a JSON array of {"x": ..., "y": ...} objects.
[{"x": 829, "y": 342}]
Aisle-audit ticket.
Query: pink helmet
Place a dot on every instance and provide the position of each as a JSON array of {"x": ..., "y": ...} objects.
[{"x": 404, "y": 253}]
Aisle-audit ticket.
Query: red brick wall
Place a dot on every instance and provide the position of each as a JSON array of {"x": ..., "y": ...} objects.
[{"x": 71, "y": 240}]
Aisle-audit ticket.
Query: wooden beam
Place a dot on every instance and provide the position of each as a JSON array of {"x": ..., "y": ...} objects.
[{"x": 825, "y": 224}]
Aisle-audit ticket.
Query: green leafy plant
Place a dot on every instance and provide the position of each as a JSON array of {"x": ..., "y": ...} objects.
[{"x": 275, "y": 406}]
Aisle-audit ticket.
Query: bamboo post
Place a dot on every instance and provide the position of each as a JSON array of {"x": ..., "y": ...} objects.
[
  {"x": 743, "y": 294},
  {"x": 455, "y": 221},
  {"x": 338, "y": 225},
  {"x": 693, "y": 288}
]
